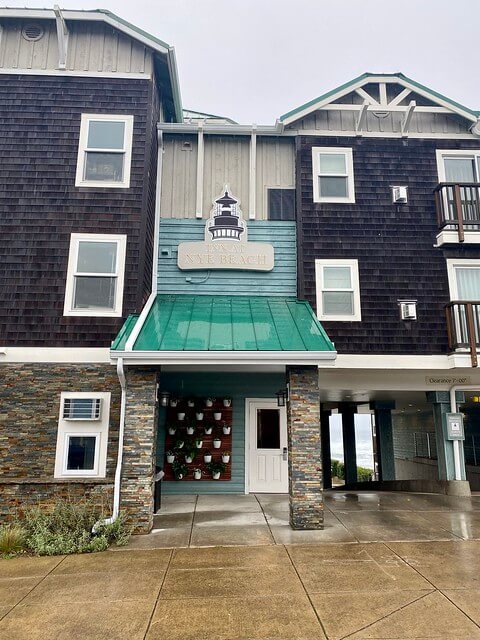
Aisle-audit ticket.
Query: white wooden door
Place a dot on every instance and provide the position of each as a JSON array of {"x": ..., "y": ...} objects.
[{"x": 267, "y": 460}]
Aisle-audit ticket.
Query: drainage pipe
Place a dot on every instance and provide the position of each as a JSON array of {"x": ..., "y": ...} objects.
[
  {"x": 121, "y": 431},
  {"x": 456, "y": 443}
]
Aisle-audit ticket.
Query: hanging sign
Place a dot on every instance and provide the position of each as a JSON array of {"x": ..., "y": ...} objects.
[{"x": 226, "y": 244}]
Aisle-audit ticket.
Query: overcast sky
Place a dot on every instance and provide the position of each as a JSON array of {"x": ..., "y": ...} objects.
[{"x": 253, "y": 60}]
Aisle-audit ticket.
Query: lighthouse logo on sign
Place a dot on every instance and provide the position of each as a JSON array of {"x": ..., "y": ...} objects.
[{"x": 226, "y": 244}]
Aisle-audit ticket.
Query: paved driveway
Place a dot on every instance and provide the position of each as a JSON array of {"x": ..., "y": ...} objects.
[{"x": 353, "y": 590}]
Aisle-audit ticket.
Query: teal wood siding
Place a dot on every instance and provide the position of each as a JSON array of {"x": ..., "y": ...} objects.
[
  {"x": 281, "y": 281},
  {"x": 237, "y": 386}
]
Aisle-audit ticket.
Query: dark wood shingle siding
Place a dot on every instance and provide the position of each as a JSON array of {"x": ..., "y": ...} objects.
[
  {"x": 393, "y": 243},
  {"x": 40, "y": 206}
]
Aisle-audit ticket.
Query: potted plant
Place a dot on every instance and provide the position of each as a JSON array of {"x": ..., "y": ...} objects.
[
  {"x": 179, "y": 443},
  {"x": 172, "y": 430},
  {"x": 216, "y": 468},
  {"x": 191, "y": 402},
  {"x": 180, "y": 470},
  {"x": 207, "y": 456},
  {"x": 198, "y": 443},
  {"x": 170, "y": 457},
  {"x": 226, "y": 429},
  {"x": 197, "y": 473},
  {"x": 209, "y": 402},
  {"x": 173, "y": 402},
  {"x": 199, "y": 415},
  {"x": 217, "y": 443},
  {"x": 217, "y": 415},
  {"x": 227, "y": 402},
  {"x": 226, "y": 457},
  {"x": 190, "y": 429},
  {"x": 190, "y": 455},
  {"x": 208, "y": 429},
  {"x": 181, "y": 415}
]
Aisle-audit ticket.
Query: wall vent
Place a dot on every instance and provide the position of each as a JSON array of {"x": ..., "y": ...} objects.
[{"x": 33, "y": 31}]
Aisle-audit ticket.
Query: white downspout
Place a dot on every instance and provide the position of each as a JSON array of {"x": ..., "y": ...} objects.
[
  {"x": 456, "y": 443},
  {"x": 118, "y": 469}
]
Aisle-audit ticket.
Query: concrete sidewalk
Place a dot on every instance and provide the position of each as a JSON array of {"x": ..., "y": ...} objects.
[{"x": 377, "y": 590}]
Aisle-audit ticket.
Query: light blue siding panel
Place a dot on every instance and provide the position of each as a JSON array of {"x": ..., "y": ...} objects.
[
  {"x": 282, "y": 281},
  {"x": 237, "y": 386}
]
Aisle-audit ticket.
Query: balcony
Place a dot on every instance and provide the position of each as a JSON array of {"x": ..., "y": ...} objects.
[
  {"x": 458, "y": 212},
  {"x": 463, "y": 327}
]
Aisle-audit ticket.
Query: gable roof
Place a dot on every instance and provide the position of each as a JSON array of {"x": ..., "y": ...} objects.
[
  {"x": 160, "y": 47},
  {"x": 368, "y": 77}
]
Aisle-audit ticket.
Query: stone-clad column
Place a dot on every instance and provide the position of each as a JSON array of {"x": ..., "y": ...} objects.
[
  {"x": 305, "y": 456},
  {"x": 136, "y": 497}
]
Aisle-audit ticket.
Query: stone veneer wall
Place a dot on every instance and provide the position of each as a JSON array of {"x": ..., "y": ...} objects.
[
  {"x": 305, "y": 460},
  {"x": 139, "y": 450},
  {"x": 30, "y": 406}
]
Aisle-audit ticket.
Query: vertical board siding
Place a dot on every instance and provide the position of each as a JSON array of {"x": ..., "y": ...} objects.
[
  {"x": 282, "y": 281},
  {"x": 92, "y": 46},
  {"x": 226, "y": 161},
  {"x": 238, "y": 386}
]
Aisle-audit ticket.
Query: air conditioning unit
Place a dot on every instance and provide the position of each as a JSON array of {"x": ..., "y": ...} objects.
[
  {"x": 399, "y": 195},
  {"x": 408, "y": 309}
]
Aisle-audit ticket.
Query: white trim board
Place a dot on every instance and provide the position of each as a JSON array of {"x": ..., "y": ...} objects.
[
  {"x": 398, "y": 362},
  {"x": 225, "y": 357},
  {"x": 63, "y": 355},
  {"x": 18, "y": 71}
]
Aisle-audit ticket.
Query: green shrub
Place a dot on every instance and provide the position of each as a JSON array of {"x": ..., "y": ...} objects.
[
  {"x": 12, "y": 539},
  {"x": 338, "y": 471},
  {"x": 67, "y": 528}
]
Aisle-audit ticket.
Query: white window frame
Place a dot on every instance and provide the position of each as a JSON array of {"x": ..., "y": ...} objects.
[
  {"x": 348, "y": 152},
  {"x": 353, "y": 266},
  {"x": 455, "y": 153},
  {"x": 126, "y": 151},
  {"x": 83, "y": 428},
  {"x": 75, "y": 240},
  {"x": 464, "y": 263}
]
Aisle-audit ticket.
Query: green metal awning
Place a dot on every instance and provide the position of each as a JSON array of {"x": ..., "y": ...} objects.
[{"x": 226, "y": 328}]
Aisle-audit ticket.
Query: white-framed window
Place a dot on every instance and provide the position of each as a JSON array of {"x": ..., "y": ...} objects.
[
  {"x": 458, "y": 166},
  {"x": 464, "y": 279},
  {"x": 95, "y": 275},
  {"x": 104, "y": 151},
  {"x": 338, "y": 290},
  {"x": 82, "y": 436},
  {"x": 333, "y": 179}
]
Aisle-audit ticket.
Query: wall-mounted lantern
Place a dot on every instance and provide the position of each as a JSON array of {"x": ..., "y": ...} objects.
[
  {"x": 163, "y": 398},
  {"x": 282, "y": 397}
]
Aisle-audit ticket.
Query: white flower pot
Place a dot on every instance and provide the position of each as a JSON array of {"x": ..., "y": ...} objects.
[
  {"x": 190, "y": 431},
  {"x": 170, "y": 459},
  {"x": 172, "y": 431},
  {"x": 208, "y": 430},
  {"x": 191, "y": 403},
  {"x": 226, "y": 430},
  {"x": 225, "y": 459},
  {"x": 227, "y": 402},
  {"x": 197, "y": 475},
  {"x": 207, "y": 458},
  {"x": 199, "y": 444},
  {"x": 217, "y": 444},
  {"x": 216, "y": 476},
  {"x": 209, "y": 402},
  {"x": 217, "y": 415},
  {"x": 188, "y": 459},
  {"x": 181, "y": 416},
  {"x": 199, "y": 416}
]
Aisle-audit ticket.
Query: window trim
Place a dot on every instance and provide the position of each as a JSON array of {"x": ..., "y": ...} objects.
[
  {"x": 348, "y": 152},
  {"x": 452, "y": 263},
  {"x": 455, "y": 153},
  {"x": 75, "y": 240},
  {"x": 265, "y": 200},
  {"x": 338, "y": 262},
  {"x": 86, "y": 118},
  {"x": 83, "y": 428}
]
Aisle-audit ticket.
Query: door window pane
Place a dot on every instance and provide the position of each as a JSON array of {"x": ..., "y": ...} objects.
[
  {"x": 94, "y": 292},
  {"x": 97, "y": 257},
  {"x": 333, "y": 187},
  {"x": 81, "y": 453},
  {"x": 104, "y": 166},
  {"x": 468, "y": 283},
  {"x": 268, "y": 429},
  {"x": 338, "y": 303},
  {"x": 337, "y": 278},
  {"x": 105, "y": 135},
  {"x": 459, "y": 169},
  {"x": 332, "y": 163}
]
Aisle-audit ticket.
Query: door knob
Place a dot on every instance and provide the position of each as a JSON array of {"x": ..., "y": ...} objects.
[{"x": 285, "y": 453}]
